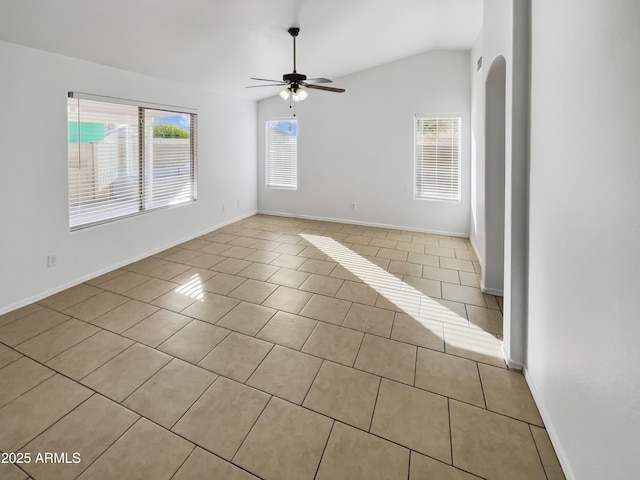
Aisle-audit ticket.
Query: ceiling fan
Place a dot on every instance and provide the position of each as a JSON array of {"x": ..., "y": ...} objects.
[{"x": 294, "y": 81}]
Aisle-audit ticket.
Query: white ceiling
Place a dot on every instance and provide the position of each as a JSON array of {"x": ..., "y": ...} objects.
[{"x": 219, "y": 44}]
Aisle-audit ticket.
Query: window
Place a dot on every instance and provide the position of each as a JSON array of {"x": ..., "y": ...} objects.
[
  {"x": 125, "y": 159},
  {"x": 282, "y": 154},
  {"x": 437, "y": 160}
]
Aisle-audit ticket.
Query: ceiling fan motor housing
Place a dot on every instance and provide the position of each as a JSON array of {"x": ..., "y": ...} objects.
[{"x": 293, "y": 77}]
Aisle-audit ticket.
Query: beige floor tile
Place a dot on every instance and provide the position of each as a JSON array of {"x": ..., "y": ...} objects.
[
  {"x": 93, "y": 307},
  {"x": 203, "y": 260},
  {"x": 167, "y": 270},
  {"x": 414, "y": 418},
  {"x": 231, "y": 266},
  {"x": 444, "y": 311},
  {"x": 355, "y": 455},
  {"x": 454, "y": 377},
  {"x": 470, "y": 279},
  {"x": 440, "y": 274},
  {"x": 423, "y": 259},
  {"x": 150, "y": 290},
  {"x": 288, "y": 299},
  {"x": 230, "y": 410},
  {"x": 430, "y": 288},
  {"x": 466, "y": 254},
  {"x": 7, "y": 355},
  {"x": 312, "y": 252},
  {"x": 427, "y": 468},
  {"x": 492, "y": 302},
  {"x": 258, "y": 271},
  {"x": 88, "y": 430},
  {"x": 221, "y": 238},
  {"x": 493, "y": 446},
  {"x": 327, "y": 309},
  {"x": 210, "y": 308},
  {"x": 239, "y": 251},
  {"x": 286, "y": 442},
  {"x": 418, "y": 331},
  {"x": 334, "y": 343},
  {"x": 343, "y": 393},
  {"x": 194, "y": 276},
  {"x": 253, "y": 291},
  {"x": 222, "y": 283},
  {"x": 166, "y": 396},
  {"x": 21, "y": 376},
  {"x": 507, "y": 392},
  {"x": 122, "y": 283},
  {"x": 194, "y": 341},
  {"x": 120, "y": 376},
  {"x": 485, "y": 319},
  {"x": 463, "y": 294},
  {"x": 288, "y": 258},
  {"x": 387, "y": 358},
  {"x": 288, "y": 277},
  {"x": 19, "y": 313},
  {"x": 237, "y": 356},
  {"x": 365, "y": 249},
  {"x": 262, "y": 256},
  {"x": 358, "y": 293},
  {"x": 321, "y": 267},
  {"x": 61, "y": 337},
  {"x": 246, "y": 318},
  {"x": 344, "y": 274},
  {"x": 30, "y": 325},
  {"x": 322, "y": 285},
  {"x": 473, "y": 344},
  {"x": 203, "y": 465},
  {"x": 288, "y": 330},
  {"x": 265, "y": 244},
  {"x": 69, "y": 297},
  {"x": 410, "y": 247},
  {"x": 392, "y": 254},
  {"x": 405, "y": 268},
  {"x": 195, "y": 244},
  {"x": 177, "y": 300},
  {"x": 8, "y": 471},
  {"x": 456, "y": 264},
  {"x": 125, "y": 316},
  {"x": 82, "y": 359},
  {"x": 286, "y": 373},
  {"x": 145, "y": 451},
  {"x": 156, "y": 328},
  {"x": 181, "y": 255},
  {"x": 440, "y": 251},
  {"x": 214, "y": 248},
  {"x": 547, "y": 453},
  {"x": 369, "y": 319},
  {"x": 94, "y": 282},
  {"x": 30, "y": 414},
  {"x": 384, "y": 243}
]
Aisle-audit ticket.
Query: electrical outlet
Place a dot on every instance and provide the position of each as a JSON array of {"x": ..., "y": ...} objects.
[
  {"x": 353, "y": 206},
  {"x": 52, "y": 260}
]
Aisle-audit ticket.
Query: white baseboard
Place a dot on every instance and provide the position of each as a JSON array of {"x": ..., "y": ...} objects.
[
  {"x": 509, "y": 361},
  {"x": 84, "y": 278},
  {"x": 491, "y": 291},
  {"x": 476, "y": 251},
  {"x": 364, "y": 224},
  {"x": 551, "y": 431}
]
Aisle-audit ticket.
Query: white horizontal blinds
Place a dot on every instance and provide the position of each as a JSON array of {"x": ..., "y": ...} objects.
[
  {"x": 437, "y": 160},
  {"x": 124, "y": 159},
  {"x": 282, "y": 154},
  {"x": 102, "y": 161},
  {"x": 169, "y": 158}
]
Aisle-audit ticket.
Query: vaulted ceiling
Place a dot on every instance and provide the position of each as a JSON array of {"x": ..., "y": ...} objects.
[{"x": 219, "y": 44}]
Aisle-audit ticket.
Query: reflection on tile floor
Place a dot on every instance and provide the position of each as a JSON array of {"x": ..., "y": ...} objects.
[{"x": 273, "y": 348}]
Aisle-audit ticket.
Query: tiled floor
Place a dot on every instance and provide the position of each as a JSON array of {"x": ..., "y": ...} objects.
[{"x": 273, "y": 348}]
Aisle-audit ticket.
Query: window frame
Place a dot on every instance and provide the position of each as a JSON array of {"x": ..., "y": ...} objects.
[
  {"x": 267, "y": 164},
  {"x": 145, "y": 163},
  {"x": 422, "y": 193}
]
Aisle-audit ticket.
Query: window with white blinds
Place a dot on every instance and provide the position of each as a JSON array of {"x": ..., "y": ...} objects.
[
  {"x": 437, "y": 158},
  {"x": 125, "y": 159},
  {"x": 282, "y": 154}
]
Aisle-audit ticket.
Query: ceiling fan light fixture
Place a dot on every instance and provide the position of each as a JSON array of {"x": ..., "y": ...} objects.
[
  {"x": 299, "y": 94},
  {"x": 285, "y": 93}
]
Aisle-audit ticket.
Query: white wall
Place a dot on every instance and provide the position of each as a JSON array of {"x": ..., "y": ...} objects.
[
  {"x": 33, "y": 183},
  {"x": 584, "y": 321},
  {"x": 358, "y": 146}
]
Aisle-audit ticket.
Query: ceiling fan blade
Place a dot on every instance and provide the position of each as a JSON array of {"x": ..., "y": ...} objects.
[
  {"x": 265, "y": 79},
  {"x": 320, "y": 87},
  {"x": 318, "y": 80},
  {"x": 266, "y": 85}
]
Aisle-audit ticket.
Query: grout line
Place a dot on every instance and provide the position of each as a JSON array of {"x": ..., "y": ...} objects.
[
  {"x": 484, "y": 397},
  {"x": 184, "y": 461},
  {"x": 375, "y": 404},
  {"x": 326, "y": 443},
  {"x": 538, "y": 452},
  {"x": 311, "y": 384},
  {"x": 253, "y": 426},
  {"x": 450, "y": 429}
]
